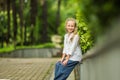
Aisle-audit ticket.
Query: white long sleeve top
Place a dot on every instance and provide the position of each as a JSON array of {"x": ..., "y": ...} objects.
[{"x": 72, "y": 47}]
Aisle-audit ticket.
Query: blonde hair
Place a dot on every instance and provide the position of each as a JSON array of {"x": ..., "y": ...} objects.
[{"x": 75, "y": 30}]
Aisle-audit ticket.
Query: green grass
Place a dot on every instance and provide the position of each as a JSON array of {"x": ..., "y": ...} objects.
[
  {"x": 7, "y": 49},
  {"x": 11, "y": 48}
]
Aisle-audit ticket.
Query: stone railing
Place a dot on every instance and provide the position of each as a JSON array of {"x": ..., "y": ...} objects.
[
  {"x": 102, "y": 62},
  {"x": 33, "y": 53}
]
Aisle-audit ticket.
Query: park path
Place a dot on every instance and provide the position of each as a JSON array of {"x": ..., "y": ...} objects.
[{"x": 28, "y": 69}]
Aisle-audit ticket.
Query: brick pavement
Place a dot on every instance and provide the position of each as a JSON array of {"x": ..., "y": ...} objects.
[{"x": 27, "y": 68}]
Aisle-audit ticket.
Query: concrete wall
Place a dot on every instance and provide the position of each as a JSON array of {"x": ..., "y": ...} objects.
[
  {"x": 33, "y": 53},
  {"x": 106, "y": 66},
  {"x": 103, "y": 61}
]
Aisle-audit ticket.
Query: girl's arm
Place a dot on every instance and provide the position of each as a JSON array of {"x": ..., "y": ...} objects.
[
  {"x": 63, "y": 57},
  {"x": 66, "y": 59},
  {"x": 64, "y": 49}
]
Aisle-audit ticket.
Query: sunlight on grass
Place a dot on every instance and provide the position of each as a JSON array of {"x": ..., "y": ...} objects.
[{"x": 11, "y": 48}]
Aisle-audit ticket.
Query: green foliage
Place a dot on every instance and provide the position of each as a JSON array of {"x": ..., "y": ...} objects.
[
  {"x": 99, "y": 14},
  {"x": 76, "y": 11},
  {"x": 61, "y": 29},
  {"x": 86, "y": 40},
  {"x": 3, "y": 22}
]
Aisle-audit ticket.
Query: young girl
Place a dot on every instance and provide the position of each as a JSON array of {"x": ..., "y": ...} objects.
[{"x": 72, "y": 53}]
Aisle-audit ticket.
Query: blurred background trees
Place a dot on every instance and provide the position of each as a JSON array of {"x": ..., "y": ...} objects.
[{"x": 34, "y": 22}]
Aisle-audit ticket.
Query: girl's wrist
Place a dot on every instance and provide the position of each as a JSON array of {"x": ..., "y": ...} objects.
[
  {"x": 68, "y": 56},
  {"x": 62, "y": 59},
  {"x": 67, "y": 59}
]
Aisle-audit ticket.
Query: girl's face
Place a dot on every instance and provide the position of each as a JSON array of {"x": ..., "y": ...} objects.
[{"x": 70, "y": 26}]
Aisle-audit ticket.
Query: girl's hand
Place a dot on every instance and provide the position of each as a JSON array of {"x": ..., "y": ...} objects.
[
  {"x": 63, "y": 56},
  {"x": 60, "y": 60},
  {"x": 65, "y": 62}
]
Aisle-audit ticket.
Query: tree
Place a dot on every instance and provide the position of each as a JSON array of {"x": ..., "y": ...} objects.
[
  {"x": 58, "y": 16},
  {"x": 33, "y": 10},
  {"x": 14, "y": 21},
  {"x": 8, "y": 21},
  {"x": 21, "y": 20},
  {"x": 44, "y": 36}
]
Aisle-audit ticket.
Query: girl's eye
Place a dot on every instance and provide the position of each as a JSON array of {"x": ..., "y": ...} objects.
[{"x": 69, "y": 25}]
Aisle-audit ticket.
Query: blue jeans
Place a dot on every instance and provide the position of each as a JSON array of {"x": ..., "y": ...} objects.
[{"x": 62, "y": 72}]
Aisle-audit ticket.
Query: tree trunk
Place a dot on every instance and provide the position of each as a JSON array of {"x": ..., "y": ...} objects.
[
  {"x": 58, "y": 16},
  {"x": 14, "y": 21},
  {"x": 33, "y": 11},
  {"x": 25, "y": 33},
  {"x": 21, "y": 21},
  {"x": 8, "y": 21},
  {"x": 44, "y": 36}
]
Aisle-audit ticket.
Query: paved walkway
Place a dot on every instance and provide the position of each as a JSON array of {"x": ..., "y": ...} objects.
[{"x": 28, "y": 69}]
